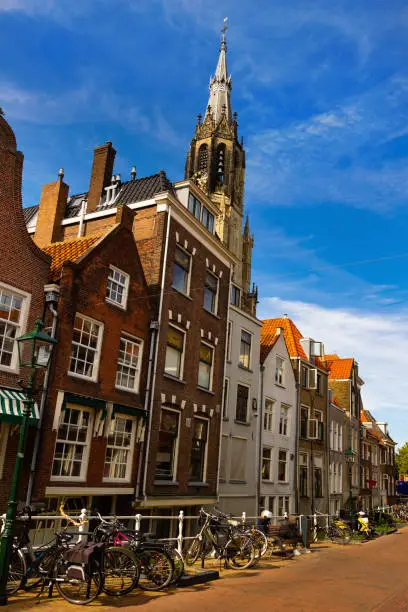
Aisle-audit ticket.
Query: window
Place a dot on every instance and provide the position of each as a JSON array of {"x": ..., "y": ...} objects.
[
  {"x": 207, "y": 219},
  {"x": 304, "y": 417},
  {"x": 318, "y": 482},
  {"x": 319, "y": 387},
  {"x": 224, "y": 458},
  {"x": 283, "y": 466},
  {"x": 205, "y": 366},
  {"x": 245, "y": 350},
  {"x": 268, "y": 414},
  {"x": 283, "y": 505},
  {"x": 210, "y": 292},
  {"x": 129, "y": 360},
  {"x": 119, "y": 449},
  {"x": 304, "y": 377},
  {"x": 303, "y": 475},
  {"x": 238, "y": 459},
  {"x": 235, "y": 296},
  {"x": 166, "y": 460},
  {"x": 117, "y": 287},
  {"x": 318, "y": 414},
  {"x": 283, "y": 421},
  {"x": 201, "y": 213},
  {"x": 198, "y": 450},
  {"x": 203, "y": 158},
  {"x": 11, "y": 309},
  {"x": 225, "y": 396},
  {"x": 332, "y": 434},
  {"x": 70, "y": 456},
  {"x": 194, "y": 206},
  {"x": 279, "y": 370},
  {"x": 174, "y": 352},
  {"x": 229, "y": 340},
  {"x": 181, "y": 271},
  {"x": 271, "y": 504},
  {"x": 267, "y": 468},
  {"x": 241, "y": 414},
  {"x": 85, "y": 349},
  {"x": 262, "y": 504}
]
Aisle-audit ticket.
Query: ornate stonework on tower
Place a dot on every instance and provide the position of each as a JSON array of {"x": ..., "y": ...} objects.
[{"x": 216, "y": 160}]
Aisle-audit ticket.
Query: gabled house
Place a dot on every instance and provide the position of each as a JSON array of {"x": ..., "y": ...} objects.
[
  {"x": 312, "y": 409},
  {"x": 383, "y": 462},
  {"x": 278, "y": 421},
  {"x": 337, "y": 464}
]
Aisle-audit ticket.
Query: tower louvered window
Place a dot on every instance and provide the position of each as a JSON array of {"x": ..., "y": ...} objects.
[
  {"x": 203, "y": 158},
  {"x": 221, "y": 163}
]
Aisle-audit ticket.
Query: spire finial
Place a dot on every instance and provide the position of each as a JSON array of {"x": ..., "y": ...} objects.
[{"x": 223, "y": 30}]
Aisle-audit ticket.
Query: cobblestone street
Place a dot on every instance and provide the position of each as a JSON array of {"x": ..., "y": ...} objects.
[{"x": 358, "y": 577}]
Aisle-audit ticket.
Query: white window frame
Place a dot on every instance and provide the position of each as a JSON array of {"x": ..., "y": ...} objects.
[
  {"x": 183, "y": 354},
  {"x": 20, "y": 328},
  {"x": 123, "y": 303},
  {"x": 212, "y": 348},
  {"x": 86, "y": 445},
  {"x": 271, "y": 463},
  {"x": 198, "y": 418},
  {"x": 176, "y": 449},
  {"x": 286, "y": 420},
  {"x": 280, "y": 371},
  {"x": 217, "y": 292},
  {"x": 285, "y": 505},
  {"x": 284, "y": 450},
  {"x": 268, "y": 414},
  {"x": 239, "y": 296},
  {"x": 98, "y": 351},
  {"x": 241, "y": 364},
  {"x": 225, "y": 397},
  {"x": 229, "y": 340},
  {"x": 248, "y": 403},
  {"x": 190, "y": 258},
  {"x": 305, "y": 464},
  {"x": 129, "y": 464},
  {"x": 139, "y": 342}
]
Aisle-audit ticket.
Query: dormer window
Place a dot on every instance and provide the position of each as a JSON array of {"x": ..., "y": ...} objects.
[
  {"x": 235, "y": 296},
  {"x": 201, "y": 213},
  {"x": 117, "y": 287}
]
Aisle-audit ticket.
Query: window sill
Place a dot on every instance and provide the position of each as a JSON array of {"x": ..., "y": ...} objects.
[
  {"x": 277, "y": 384},
  {"x": 228, "y": 361},
  {"x": 245, "y": 424},
  {"x": 198, "y": 484},
  {"x": 271, "y": 482},
  {"x": 170, "y": 377},
  {"x": 242, "y": 367},
  {"x": 82, "y": 377},
  {"x": 167, "y": 483},
  {"x": 116, "y": 304},
  {"x": 182, "y": 293},
  {"x": 118, "y": 481},
  {"x": 283, "y": 482},
  {"x": 127, "y": 390},
  {"x": 213, "y": 314},
  {"x": 205, "y": 390},
  {"x": 237, "y": 481},
  {"x": 73, "y": 479}
]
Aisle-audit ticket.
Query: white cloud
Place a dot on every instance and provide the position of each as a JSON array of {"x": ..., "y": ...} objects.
[{"x": 378, "y": 342}]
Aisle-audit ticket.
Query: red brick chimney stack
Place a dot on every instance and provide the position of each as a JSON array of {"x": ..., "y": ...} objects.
[
  {"x": 51, "y": 212},
  {"x": 101, "y": 174}
]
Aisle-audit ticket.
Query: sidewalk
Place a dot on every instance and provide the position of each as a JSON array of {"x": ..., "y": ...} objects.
[{"x": 362, "y": 577}]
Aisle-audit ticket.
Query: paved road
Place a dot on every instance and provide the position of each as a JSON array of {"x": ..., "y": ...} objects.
[{"x": 367, "y": 577}]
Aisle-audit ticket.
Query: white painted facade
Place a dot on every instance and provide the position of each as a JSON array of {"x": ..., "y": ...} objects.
[
  {"x": 238, "y": 455},
  {"x": 277, "y": 432}
]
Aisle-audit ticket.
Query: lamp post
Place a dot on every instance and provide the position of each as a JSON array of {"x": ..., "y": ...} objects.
[
  {"x": 350, "y": 457},
  {"x": 34, "y": 351}
]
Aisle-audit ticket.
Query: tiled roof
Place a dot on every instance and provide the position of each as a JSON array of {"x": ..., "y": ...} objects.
[
  {"x": 71, "y": 249},
  {"x": 331, "y": 357},
  {"x": 291, "y": 333},
  {"x": 340, "y": 368},
  {"x": 266, "y": 348},
  {"x": 130, "y": 192},
  {"x": 29, "y": 212}
]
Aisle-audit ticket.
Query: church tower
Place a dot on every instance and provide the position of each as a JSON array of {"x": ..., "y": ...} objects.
[{"x": 216, "y": 161}]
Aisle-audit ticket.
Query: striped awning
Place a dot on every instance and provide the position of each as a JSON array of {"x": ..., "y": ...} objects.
[{"x": 12, "y": 406}]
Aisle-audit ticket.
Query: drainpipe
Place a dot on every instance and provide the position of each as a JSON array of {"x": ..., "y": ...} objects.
[
  {"x": 297, "y": 501},
  {"x": 154, "y": 325},
  {"x": 163, "y": 280},
  {"x": 51, "y": 296},
  {"x": 260, "y": 426}
]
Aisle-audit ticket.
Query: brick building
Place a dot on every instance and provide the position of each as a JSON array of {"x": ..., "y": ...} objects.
[
  {"x": 23, "y": 274},
  {"x": 383, "y": 483},
  {"x": 95, "y": 415},
  {"x": 187, "y": 270}
]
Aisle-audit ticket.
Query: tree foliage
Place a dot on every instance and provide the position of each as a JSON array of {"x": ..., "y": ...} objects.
[{"x": 401, "y": 459}]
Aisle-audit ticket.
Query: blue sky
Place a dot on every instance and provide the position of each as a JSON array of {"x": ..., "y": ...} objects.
[{"x": 321, "y": 91}]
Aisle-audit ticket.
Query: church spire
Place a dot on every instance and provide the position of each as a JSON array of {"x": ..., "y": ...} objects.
[{"x": 219, "y": 102}]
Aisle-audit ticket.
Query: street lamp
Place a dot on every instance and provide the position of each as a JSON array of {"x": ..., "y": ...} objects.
[
  {"x": 350, "y": 457},
  {"x": 34, "y": 352}
]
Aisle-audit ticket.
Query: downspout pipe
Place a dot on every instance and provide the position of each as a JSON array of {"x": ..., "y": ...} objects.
[
  {"x": 162, "y": 287},
  {"x": 260, "y": 431},
  {"x": 297, "y": 501},
  {"x": 41, "y": 410}
]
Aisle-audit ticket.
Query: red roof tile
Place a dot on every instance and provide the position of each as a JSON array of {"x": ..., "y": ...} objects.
[
  {"x": 291, "y": 333},
  {"x": 69, "y": 250},
  {"x": 339, "y": 368}
]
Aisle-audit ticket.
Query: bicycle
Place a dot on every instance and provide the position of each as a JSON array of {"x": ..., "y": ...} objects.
[
  {"x": 337, "y": 531},
  {"x": 237, "y": 550}
]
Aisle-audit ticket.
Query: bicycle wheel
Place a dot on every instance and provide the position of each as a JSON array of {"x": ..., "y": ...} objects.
[
  {"x": 121, "y": 571},
  {"x": 17, "y": 571},
  {"x": 156, "y": 569},
  {"x": 194, "y": 551},
  {"x": 77, "y": 583},
  {"x": 240, "y": 552},
  {"x": 260, "y": 541},
  {"x": 338, "y": 535},
  {"x": 178, "y": 565}
]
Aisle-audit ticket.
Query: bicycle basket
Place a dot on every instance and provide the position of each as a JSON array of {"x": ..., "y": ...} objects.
[{"x": 83, "y": 552}]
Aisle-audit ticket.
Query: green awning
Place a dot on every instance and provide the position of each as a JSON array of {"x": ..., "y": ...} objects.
[
  {"x": 12, "y": 406},
  {"x": 130, "y": 410},
  {"x": 84, "y": 400}
]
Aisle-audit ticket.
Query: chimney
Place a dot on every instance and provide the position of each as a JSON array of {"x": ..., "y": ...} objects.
[
  {"x": 279, "y": 331},
  {"x": 51, "y": 212},
  {"x": 101, "y": 174}
]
